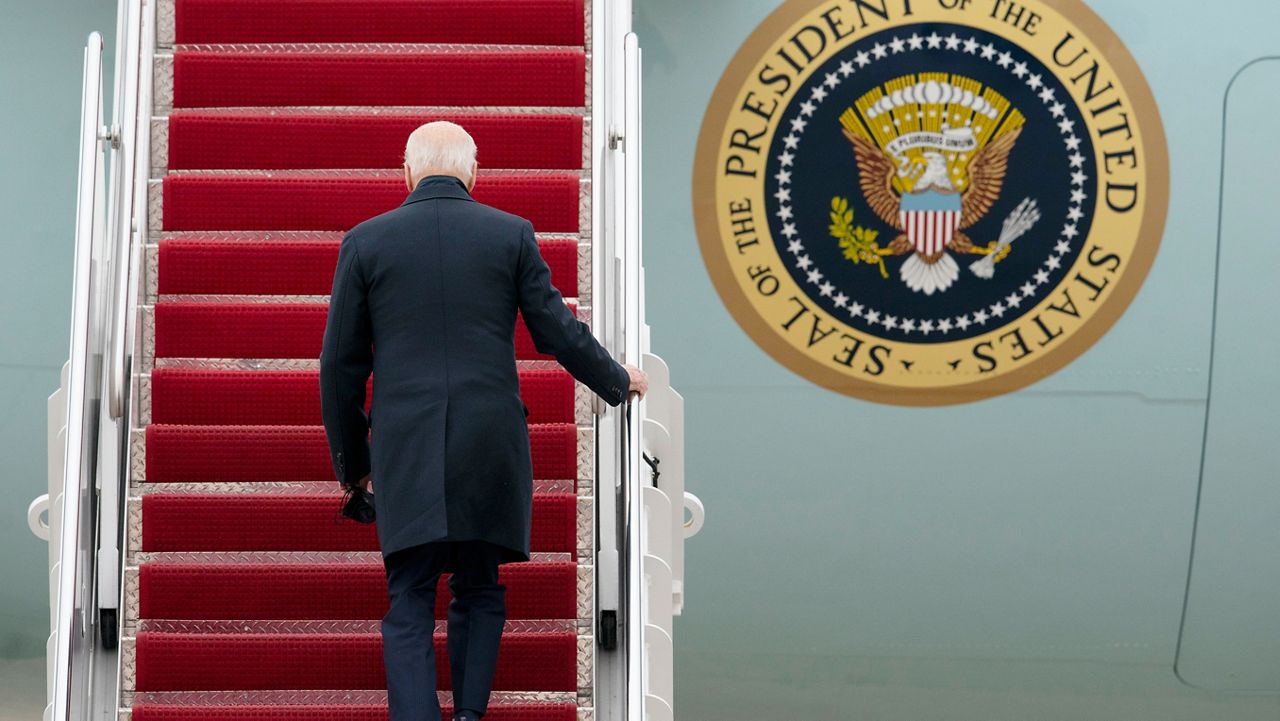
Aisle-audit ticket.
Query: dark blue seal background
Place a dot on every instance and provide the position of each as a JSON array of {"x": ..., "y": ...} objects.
[{"x": 824, "y": 167}]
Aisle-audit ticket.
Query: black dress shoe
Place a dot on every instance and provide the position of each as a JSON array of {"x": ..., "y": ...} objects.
[{"x": 357, "y": 504}]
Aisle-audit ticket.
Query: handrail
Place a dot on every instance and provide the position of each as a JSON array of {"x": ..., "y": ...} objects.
[
  {"x": 119, "y": 249},
  {"x": 116, "y": 348},
  {"x": 631, "y": 655},
  {"x": 123, "y": 134},
  {"x": 611, "y": 20},
  {"x": 70, "y": 669},
  {"x": 130, "y": 136},
  {"x": 632, "y": 329}
]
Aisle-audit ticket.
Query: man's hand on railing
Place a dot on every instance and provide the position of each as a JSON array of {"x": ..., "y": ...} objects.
[{"x": 639, "y": 380}]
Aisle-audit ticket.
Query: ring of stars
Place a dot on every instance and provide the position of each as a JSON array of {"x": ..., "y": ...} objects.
[{"x": 820, "y": 89}]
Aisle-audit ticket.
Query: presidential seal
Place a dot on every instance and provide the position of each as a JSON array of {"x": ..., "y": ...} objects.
[{"x": 926, "y": 202}]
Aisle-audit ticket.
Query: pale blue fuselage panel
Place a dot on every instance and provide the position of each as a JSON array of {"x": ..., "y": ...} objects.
[{"x": 1022, "y": 557}]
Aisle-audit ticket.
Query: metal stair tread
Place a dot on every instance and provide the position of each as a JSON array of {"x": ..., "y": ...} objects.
[
  {"x": 289, "y": 236},
  {"x": 294, "y": 364},
  {"x": 581, "y": 110},
  {"x": 364, "y": 174},
  {"x": 554, "y": 486},
  {"x": 329, "y": 697},
  {"x": 304, "y": 558},
  {"x": 307, "y": 628},
  {"x": 242, "y": 298},
  {"x": 361, "y": 49},
  {"x": 374, "y": 111}
]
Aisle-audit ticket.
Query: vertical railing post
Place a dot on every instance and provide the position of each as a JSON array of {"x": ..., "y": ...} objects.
[
  {"x": 616, "y": 319},
  {"x": 633, "y": 331}
]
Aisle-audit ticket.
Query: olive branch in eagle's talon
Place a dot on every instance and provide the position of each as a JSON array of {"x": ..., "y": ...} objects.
[{"x": 858, "y": 243}]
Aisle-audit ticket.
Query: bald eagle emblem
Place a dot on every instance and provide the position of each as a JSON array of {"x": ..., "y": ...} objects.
[{"x": 932, "y": 151}]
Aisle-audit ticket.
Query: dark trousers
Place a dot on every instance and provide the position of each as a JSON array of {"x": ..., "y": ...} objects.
[{"x": 476, "y": 617}]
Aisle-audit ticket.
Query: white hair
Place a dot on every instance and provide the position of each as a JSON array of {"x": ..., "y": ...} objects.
[{"x": 440, "y": 147}]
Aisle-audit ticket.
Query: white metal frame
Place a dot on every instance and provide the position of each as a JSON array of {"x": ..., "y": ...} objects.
[
  {"x": 641, "y": 526},
  {"x": 88, "y": 431},
  {"x": 71, "y": 639}
]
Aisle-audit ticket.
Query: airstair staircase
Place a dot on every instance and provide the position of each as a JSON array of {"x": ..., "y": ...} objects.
[{"x": 197, "y": 570}]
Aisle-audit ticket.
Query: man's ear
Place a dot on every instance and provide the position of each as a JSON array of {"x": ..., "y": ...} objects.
[
  {"x": 475, "y": 167},
  {"x": 408, "y": 177}
]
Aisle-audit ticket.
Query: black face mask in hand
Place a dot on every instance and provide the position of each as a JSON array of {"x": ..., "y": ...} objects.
[{"x": 357, "y": 504}]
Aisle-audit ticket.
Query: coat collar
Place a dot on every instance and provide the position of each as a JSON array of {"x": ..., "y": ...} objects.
[{"x": 438, "y": 186}]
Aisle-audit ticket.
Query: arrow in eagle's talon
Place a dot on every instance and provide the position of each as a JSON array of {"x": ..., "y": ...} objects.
[{"x": 1022, "y": 219}]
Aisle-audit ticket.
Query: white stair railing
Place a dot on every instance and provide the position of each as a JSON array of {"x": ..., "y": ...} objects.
[
  {"x": 640, "y": 659},
  {"x": 87, "y": 414},
  {"x": 641, "y": 534},
  {"x": 73, "y": 425}
]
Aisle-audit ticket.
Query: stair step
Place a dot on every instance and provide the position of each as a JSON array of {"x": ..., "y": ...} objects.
[
  {"x": 197, "y": 661},
  {"x": 238, "y": 590},
  {"x": 298, "y": 200},
  {"x": 177, "y": 452},
  {"x": 544, "y": 22},
  {"x": 299, "y": 139},
  {"x": 248, "y": 238},
  {"x": 294, "y": 711},
  {"x": 185, "y": 329},
  {"x": 207, "y": 397},
  {"x": 291, "y": 267},
  {"x": 372, "y": 75},
  {"x": 175, "y": 521}
]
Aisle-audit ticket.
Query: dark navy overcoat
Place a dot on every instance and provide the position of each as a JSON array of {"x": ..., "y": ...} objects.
[{"x": 425, "y": 298}]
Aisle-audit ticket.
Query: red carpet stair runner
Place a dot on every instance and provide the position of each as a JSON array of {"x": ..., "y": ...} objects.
[{"x": 279, "y": 124}]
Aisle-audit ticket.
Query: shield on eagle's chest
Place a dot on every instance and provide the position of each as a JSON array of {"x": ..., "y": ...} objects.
[{"x": 930, "y": 219}]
